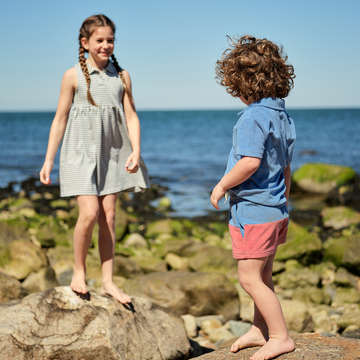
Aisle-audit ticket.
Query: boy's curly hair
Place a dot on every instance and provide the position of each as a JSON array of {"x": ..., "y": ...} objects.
[{"x": 254, "y": 68}]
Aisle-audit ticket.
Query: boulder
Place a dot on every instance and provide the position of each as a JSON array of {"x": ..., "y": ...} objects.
[
  {"x": 321, "y": 178},
  {"x": 150, "y": 264},
  {"x": 339, "y": 217},
  {"x": 9, "y": 233},
  {"x": 176, "y": 262},
  {"x": 44, "y": 279},
  {"x": 212, "y": 259},
  {"x": 312, "y": 296},
  {"x": 23, "y": 258},
  {"x": 344, "y": 252},
  {"x": 345, "y": 279},
  {"x": 308, "y": 346},
  {"x": 135, "y": 241},
  {"x": 298, "y": 278},
  {"x": 10, "y": 289},
  {"x": 158, "y": 227},
  {"x": 190, "y": 325},
  {"x": 57, "y": 324},
  {"x": 346, "y": 296},
  {"x": 346, "y": 320},
  {"x": 126, "y": 267},
  {"x": 300, "y": 245},
  {"x": 188, "y": 293},
  {"x": 296, "y": 316}
]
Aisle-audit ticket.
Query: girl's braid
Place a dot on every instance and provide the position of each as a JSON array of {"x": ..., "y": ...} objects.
[
  {"x": 120, "y": 71},
  {"x": 85, "y": 70}
]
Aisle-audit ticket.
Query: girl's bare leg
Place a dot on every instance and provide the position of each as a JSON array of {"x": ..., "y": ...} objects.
[
  {"x": 88, "y": 215},
  {"x": 254, "y": 278},
  {"x": 107, "y": 247}
]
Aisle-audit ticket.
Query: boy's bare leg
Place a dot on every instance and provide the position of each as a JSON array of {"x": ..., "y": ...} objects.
[
  {"x": 88, "y": 215},
  {"x": 250, "y": 276},
  {"x": 258, "y": 334},
  {"x": 107, "y": 247}
]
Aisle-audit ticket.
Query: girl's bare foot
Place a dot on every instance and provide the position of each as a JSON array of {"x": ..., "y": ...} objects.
[
  {"x": 78, "y": 282},
  {"x": 254, "y": 337},
  {"x": 273, "y": 348},
  {"x": 111, "y": 289}
]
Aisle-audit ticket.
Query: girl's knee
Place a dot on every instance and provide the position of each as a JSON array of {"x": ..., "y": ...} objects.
[
  {"x": 107, "y": 218},
  {"x": 89, "y": 215}
]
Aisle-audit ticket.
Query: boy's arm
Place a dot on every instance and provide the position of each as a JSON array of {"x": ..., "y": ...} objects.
[
  {"x": 242, "y": 170},
  {"x": 287, "y": 174}
]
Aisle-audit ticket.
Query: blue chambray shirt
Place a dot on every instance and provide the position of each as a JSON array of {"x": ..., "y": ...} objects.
[{"x": 264, "y": 130}]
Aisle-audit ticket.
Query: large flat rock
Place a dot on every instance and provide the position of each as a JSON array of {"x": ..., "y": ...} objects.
[{"x": 308, "y": 346}]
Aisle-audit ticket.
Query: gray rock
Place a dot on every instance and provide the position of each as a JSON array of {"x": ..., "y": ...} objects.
[
  {"x": 298, "y": 278},
  {"x": 345, "y": 279},
  {"x": 10, "y": 289},
  {"x": 44, "y": 279},
  {"x": 188, "y": 293},
  {"x": 339, "y": 217},
  {"x": 239, "y": 328},
  {"x": 57, "y": 324}
]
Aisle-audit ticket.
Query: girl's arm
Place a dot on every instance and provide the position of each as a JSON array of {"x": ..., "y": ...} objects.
[
  {"x": 133, "y": 124},
  {"x": 242, "y": 170},
  {"x": 287, "y": 174},
  {"x": 68, "y": 86}
]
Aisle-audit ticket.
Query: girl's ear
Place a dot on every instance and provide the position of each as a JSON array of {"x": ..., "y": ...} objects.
[{"x": 84, "y": 43}]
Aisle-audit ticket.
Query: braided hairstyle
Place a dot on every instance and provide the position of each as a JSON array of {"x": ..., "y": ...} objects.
[{"x": 87, "y": 29}]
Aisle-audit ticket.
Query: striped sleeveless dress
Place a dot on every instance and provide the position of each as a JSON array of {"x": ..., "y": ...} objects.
[{"x": 96, "y": 143}]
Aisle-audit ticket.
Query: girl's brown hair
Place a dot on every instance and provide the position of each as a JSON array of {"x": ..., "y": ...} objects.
[
  {"x": 254, "y": 68},
  {"x": 87, "y": 29}
]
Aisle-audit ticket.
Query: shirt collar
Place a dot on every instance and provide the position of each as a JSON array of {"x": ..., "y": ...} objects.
[
  {"x": 110, "y": 68},
  {"x": 272, "y": 103}
]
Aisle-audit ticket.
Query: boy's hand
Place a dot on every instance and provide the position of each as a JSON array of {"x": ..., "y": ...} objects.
[{"x": 216, "y": 195}]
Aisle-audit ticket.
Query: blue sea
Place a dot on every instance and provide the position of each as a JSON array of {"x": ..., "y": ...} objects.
[{"x": 186, "y": 151}]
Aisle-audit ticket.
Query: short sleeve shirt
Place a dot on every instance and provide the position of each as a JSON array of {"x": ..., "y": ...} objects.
[{"x": 264, "y": 130}]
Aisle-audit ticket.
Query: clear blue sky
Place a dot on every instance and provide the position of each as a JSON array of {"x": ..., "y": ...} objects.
[{"x": 170, "y": 49}]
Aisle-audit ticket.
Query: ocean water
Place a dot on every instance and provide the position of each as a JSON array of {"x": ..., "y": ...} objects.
[{"x": 186, "y": 150}]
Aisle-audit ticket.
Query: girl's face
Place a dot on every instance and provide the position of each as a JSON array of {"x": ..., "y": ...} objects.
[{"x": 100, "y": 45}]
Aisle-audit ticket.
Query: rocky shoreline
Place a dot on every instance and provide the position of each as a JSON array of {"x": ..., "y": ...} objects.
[{"x": 185, "y": 266}]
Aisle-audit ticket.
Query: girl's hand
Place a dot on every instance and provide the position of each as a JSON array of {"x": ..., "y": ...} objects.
[
  {"x": 45, "y": 172},
  {"x": 132, "y": 163},
  {"x": 216, "y": 195}
]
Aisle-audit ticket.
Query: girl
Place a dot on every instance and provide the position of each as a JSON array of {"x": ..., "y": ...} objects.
[
  {"x": 100, "y": 152},
  {"x": 258, "y": 181}
]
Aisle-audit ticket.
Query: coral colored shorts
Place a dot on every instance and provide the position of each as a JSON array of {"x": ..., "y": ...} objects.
[{"x": 259, "y": 240}]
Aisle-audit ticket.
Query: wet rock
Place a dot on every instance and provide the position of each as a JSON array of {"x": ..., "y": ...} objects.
[
  {"x": 44, "y": 279},
  {"x": 344, "y": 252},
  {"x": 57, "y": 324},
  {"x": 10, "y": 289},
  {"x": 23, "y": 259},
  {"x": 321, "y": 178},
  {"x": 188, "y": 293},
  {"x": 340, "y": 217},
  {"x": 308, "y": 346},
  {"x": 300, "y": 245}
]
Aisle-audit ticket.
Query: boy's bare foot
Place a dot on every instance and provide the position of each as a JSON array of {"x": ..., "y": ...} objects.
[
  {"x": 111, "y": 289},
  {"x": 78, "y": 282},
  {"x": 254, "y": 337},
  {"x": 273, "y": 348}
]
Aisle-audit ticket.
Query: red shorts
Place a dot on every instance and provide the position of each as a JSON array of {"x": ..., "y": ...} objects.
[{"x": 259, "y": 240}]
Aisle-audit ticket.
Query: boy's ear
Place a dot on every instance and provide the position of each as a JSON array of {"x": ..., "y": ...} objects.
[{"x": 84, "y": 44}]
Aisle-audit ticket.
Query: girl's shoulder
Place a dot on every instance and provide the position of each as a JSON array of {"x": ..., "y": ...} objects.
[{"x": 70, "y": 78}]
